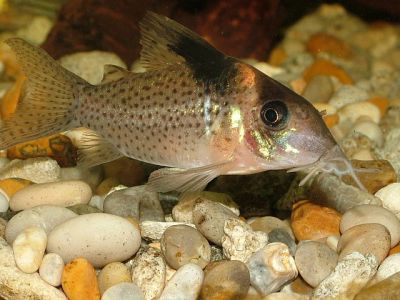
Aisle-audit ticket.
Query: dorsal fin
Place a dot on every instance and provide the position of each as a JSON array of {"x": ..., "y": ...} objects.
[
  {"x": 166, "y": 43},
  {"x": 113, "y": 73}
]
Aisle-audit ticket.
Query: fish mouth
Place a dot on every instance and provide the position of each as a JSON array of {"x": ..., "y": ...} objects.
[{"x": 332, "y": 161}]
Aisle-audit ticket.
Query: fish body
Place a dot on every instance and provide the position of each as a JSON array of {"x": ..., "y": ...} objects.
[{"x": 194, "y": 110}]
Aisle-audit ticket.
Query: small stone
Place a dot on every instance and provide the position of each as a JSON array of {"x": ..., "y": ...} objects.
[
  {"x": 269, "y": 223},
  {"x": 97, "y": 202},
  {"x": 97, "y": 242},
  {"x": 298, "y": 286},
  {"x": 390, "y": 196},
  {"x": 106, "y": 185},
  {"x": 363, "y": 214},
  {"x": 123, "y": 291},
  {"x": 79, "y": 280},
  {"x": 318, "y": 89},
  {"x": 315, "y": 261},
  {"x": 370, "y": 129},
  {"x": 370, "y": 238},
  {"x": 216, "y": 253},
  {"x": 185, "y": 284},
  {"x": 183, "y": 211},
  {"x": 271, "y": 267},
  {"x": 29, "y": 247},
  {"x": 3, "y": 224},
  {"x": 92, "y": 176},
  {"x": 311, "y": 221},
  {"x": 149, "y": 273},
  {"x": 388, "y": 267},
  {"x": 332, "y": 242},
  {"x": 44, "y": 216},
  {"x": 329, "y": 190},
  {"x": 83, "y": 209},
  {"x": 225, "y": 280},
  {"x": 51, "y": 269},
  {"x": 112, "y": 274},
  {"x": 285, "y": 296},
  {"x": 354, "y": 111},
  {"x": 38, "y": 170},
  {"x": 152, "y": 230},
  {"x": 12, "y": 185},
  {"x": 120, "y": 203},
  {"x": 181, "y": 244},
  {"x": 395, "y": 250},
  {"x": 347, "y": 94},
  {"x": 388, "y": 288},
  {"x": 240, "y": 242},
  {"x": 150, "y": 206},
  {"x": 381, "y": 174},
  {"x": 61, "y": 193},
  {"x": 350, "y": 275},
  {"x": 209, "y": 218},
  {"x": 282, "y": 236},
  {"x": 4, "y": 199}
]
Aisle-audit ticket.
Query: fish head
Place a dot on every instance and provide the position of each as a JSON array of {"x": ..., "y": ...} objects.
[{"x": 282, "y": 128}]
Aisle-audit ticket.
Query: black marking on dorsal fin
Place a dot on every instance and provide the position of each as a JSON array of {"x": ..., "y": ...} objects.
[
  {"x": 113, "y": 73},
  {"x": 166, "y": 43}
]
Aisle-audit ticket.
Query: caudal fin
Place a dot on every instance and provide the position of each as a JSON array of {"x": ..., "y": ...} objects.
[{"x": 49, "y": 97}]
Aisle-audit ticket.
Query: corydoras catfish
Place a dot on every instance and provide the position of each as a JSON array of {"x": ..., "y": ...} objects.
[{"x": 195, "y": 110}]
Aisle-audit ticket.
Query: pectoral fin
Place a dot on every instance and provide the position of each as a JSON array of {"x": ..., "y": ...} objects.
[{"x": 185, "y": 180}]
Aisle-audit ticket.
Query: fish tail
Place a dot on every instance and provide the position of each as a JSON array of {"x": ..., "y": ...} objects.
[{"x": 50, "y": 97}]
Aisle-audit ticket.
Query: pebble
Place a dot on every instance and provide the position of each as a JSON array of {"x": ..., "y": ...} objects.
[
  {"x": 91, "y": 176},
  {"x": 285, "y": 296},
  {"x": 15, "y": 284},
  {"x": 354, "y": 111},
  {"x": 363, "y": 214},
  {"x": 51, "y": 269},
  {"x": 209, "y": 218},
  {"x": 390, "y": 196},
  {"x": 12, "y": 185},
  {"x": 79, "y": 280},
  {"x": 37, "y": 170},
  {"x": 269, "y": 223},
  {"x": 371, "y": 130},
  {"x": 332, "y": 242},
  {"x": 4, "y": 201},
  {"x": 45, "y": 216},
  {"x": 350, "y": 275},
  {"x": 3, "y": 224},
  {"x": 97, "y": 202},
  {"x": 282, "y": 236},
  {"x": 369, "y": 238},
  {"x": 315, "y": 261},
  {"x": 83, "y": 209},
  {"x": 183, "y": 211},
  {"x": 224, "y": 280},
  {"x": 181, "y": 244},
  {"x": 388, "y": 267},
  {"x": 152, "y": 230},
  {"x": 388, "y": 288},
  {"x": 149, "y": 272},
  {"x": 185, "y": 284},
  {"x": 61, "y": 193},
  {"x": 112, "y": 274},
  {"x": 329, "y": 190},
  {"x": 348, "y": 94},
  {"x": 271, "y": 267},
  {"x": 318, "y": 89},
  {"x": 97, "y": 242},
  {"x": 150, "y": 205},
  {"x": 311, "y": 221},
  {"x": 123, "y": 291},
  {"x": 122, "y": 204},
  {"x": 29, "y": 247},
  {"x": 298, "y": 286},
  {"x": 240, "y": 241},
  {"x": 106, "y": 185}
]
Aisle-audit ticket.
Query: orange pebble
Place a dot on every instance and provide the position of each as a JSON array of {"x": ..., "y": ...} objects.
[
  {"x": 325, "y": 67},
  {"x": 79, "y": 280},
  {"x": 277, "y": 56},
  {"x": 310, "y": 221},
  {"x": 323, "y": 42},
  {"x": 331, "y": 120},
  {"x": 394, "y": 250},
  {"x": 10, "y": 99},
  {"x": 381, "y": 103},
  {"x": 12, "y": 185}
]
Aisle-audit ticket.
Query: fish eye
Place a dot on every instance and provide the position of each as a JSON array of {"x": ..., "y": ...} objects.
[{"x": 274, "y": 114}]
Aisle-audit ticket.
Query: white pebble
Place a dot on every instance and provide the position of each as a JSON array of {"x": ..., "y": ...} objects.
[
  {"x": 4, "y": 199},
  {"x": 123, "y": 291},
  {"x": 332, "y": 242},
  {"x": 390, "y": 196},
  {"x": 97, "y": 201},
  {"x": 347, "y": 94},
  {"x": 354, "y": 111},
  {"x": 328, "y": 108},
  {"x": 388, "y": 267},
  {"x": 371, "y": 130},
  {"x": 51, "y": 269},
  {"x": 185, "y": 284},
  {"x": 29, "y": 247},
  {"x": 363, "y": 154}
]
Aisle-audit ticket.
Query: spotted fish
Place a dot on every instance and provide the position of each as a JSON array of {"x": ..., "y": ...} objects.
[{"x": 195, "y": 110}]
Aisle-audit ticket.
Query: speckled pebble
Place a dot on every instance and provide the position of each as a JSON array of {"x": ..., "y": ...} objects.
[
  {"x": 97, "y": 242},
  {"x": 269, "y": 223},
  {"x": 29, "y": 247},
  {"x": 181, "y": 244},
  {"x": 315, "y": 261},
  {"x": 387, "y": 289},
  {"x": 60, "y": 193},
  {"x": 369, "y": 238},
  {"x": 153, "y": 230},
  {"x": 209, "y": 218},
  {"x": 51, "y": 269},
  {"x": 282, "y": 236},
  {"x": 185, "y": 284},
  {"x": 240, "y": 241},
  {"x": 123, "y": 291},
  {"x": 363, "y": 214},
  {"x": 388, "y": 267},
  {"x": 271, "y": 267},
  {"x": 224, "y": 280},
  {"x": 112, "y": 274}
]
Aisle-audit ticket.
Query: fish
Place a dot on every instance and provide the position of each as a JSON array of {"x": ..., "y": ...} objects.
[{"x": 195, "y": 111}]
